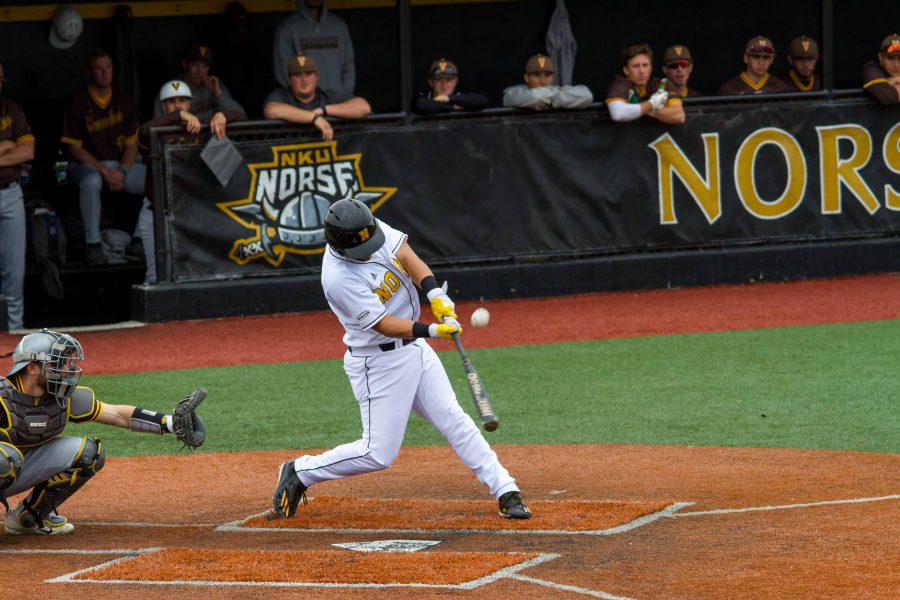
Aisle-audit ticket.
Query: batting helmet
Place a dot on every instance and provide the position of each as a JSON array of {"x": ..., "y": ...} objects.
[
  {"x": 350, "y": 228},
  {"x": 174, "y": 89},
  {"x": 67, "y": 26},
  {"x": 58, "y": 354}
]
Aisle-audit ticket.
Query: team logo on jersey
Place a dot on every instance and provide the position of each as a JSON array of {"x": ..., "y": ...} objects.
[{"x": 288, "y": 198}]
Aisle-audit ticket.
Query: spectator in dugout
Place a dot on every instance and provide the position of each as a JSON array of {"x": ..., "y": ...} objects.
[
  {"x": 882, "y": 78},
  {"x": 636, "y": 93},
  {"x": 538, "y": 91},
  {"x": 677, "y": 67},
  {"x": 208, "y": 93},
  {"x": 759, "y": 53},
  {"x": 803, "y": 54},
  {"x": 304, "y": 102},
  {"x": 441, "y": 95},
  {"x": 321, "y": 35},
  {"x": 100, "y": 129}
]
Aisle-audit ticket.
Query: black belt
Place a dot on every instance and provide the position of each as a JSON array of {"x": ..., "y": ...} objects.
[
  {"x": 388, "y": 346},
  {"x": 8, "y": 184}
]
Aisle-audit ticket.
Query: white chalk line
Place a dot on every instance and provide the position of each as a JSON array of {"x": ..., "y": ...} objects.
[
  {"x": 723, "y": 511},
  {"x": 237, "y": 526},
  {"x": 68, "y": 577},
  {"x": 506, "y": 572},
  {"x": 567, "y": 588}
]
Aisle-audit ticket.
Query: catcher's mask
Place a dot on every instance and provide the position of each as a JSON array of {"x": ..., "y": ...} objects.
[
  {"x": 351, "y": 229},
  {"x": 58, "y": 354}
]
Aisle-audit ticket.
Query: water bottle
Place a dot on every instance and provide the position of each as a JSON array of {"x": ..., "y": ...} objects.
[
  {"x": 61, "y": 168},
  {"x": 24, "y": 174}
]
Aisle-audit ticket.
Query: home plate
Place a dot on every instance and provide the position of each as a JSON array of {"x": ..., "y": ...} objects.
[{"x": 388, "y": 545}]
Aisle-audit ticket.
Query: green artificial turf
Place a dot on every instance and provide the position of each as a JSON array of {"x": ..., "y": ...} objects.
[{"x": 828, "y": 386}]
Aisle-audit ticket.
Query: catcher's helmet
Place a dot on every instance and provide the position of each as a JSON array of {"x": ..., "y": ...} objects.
[
  {"x": 174, "y": 89},
  {"x": 350, "y": 228},
  {"x": 59, "y": 355}
]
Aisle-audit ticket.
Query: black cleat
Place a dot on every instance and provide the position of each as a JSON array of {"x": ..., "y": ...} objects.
[
  {"x": 513, "y": 507},
  {"x": 289, "y": 492}
]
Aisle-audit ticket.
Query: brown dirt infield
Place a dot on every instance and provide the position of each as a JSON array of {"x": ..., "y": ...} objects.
[
  {"x": 764, "y": 523},
  {"x": 325, "y": 512}
]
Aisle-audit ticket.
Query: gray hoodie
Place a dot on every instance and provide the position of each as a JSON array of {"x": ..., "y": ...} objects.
[{"x": 327, "y": 41}]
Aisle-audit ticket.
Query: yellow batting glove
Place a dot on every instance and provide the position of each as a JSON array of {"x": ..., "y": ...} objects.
[
  {"x": 441, "y": 305},
  {"x": 445, "y": 330}
]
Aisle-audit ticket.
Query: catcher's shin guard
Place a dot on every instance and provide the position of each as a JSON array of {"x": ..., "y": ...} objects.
[
  {"x": 46, "y": 497},
  {"x": 10, "y": 465},
  {"x": 289, "y": 491}
]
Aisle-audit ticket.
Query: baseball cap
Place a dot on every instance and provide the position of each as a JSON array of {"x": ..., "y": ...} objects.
[
  {"x": 174, "y": 89},
  {"x": 301, "y": 63},
  {"x": 442, "y": 68},
  {"x": 67, "y": 26},
  {"x": 891, "y": 44},
  {"x": 804, "y": 47},
  {"x": 677, "y": 52},
  {"x": 199, "y": 53},
  {"x": 760, "y": 46},
  {"x": 539, "y": 63}
]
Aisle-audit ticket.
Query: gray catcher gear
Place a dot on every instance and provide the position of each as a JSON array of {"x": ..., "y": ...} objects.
[{"x": 59, "y": 355}]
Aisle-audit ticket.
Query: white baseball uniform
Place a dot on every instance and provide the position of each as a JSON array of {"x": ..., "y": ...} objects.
[{"x": 391, "y": 376}]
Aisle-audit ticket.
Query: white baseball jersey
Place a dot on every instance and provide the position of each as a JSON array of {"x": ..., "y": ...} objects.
[
  {"x": 394, "y": 379},
  {"x": 361, "y": 293}
]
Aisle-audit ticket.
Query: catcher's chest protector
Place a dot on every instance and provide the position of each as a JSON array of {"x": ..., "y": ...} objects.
[{"x": 29, "y": 425}]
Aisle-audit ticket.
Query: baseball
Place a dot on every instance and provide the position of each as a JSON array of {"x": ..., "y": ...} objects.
[{"x": 480, "y": 317}]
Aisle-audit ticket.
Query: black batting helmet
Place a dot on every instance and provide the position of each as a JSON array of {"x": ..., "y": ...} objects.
[{"x": 351, "y": 229}]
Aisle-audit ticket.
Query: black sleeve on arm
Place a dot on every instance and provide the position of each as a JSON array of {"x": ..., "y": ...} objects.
[
  {"x": 427, "y": 106},
  {"x": 428, "y": 283},
  {"x": 471, "y": 101}
]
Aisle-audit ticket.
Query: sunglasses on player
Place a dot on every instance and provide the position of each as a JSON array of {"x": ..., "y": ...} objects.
[
  {"x": 891, "y": 48},
  {"x": 760, "y": 50},
  {"x": 679, "y": 64}
]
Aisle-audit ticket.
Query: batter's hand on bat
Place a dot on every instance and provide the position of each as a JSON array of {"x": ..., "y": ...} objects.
[
  {"x": 446, "y": 329},
  {"x": 441, "y": 305}
]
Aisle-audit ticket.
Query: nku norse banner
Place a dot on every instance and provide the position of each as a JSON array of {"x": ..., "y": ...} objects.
[{"x": 562, "y": 184}]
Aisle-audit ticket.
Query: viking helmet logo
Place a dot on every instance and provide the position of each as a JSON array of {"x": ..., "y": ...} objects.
[
  {"x": 443, "y": 65},
  {"x": 679, "y": 50},
  {"x": 805, "y": 44},
  {"x": 541, "y": 60}
]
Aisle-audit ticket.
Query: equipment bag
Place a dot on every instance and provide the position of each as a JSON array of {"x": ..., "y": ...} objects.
[{"x": 48, "y": 244}]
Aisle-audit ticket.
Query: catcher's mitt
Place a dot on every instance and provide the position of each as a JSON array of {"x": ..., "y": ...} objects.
[{"x": 186, "y": 423}]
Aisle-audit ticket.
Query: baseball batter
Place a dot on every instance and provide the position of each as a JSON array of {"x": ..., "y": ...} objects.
[
  {"x": 370, "y": 276},
  {"x": 40, "y": 396}
]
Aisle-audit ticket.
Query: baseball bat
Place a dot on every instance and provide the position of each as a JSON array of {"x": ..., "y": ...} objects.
[{"x": 480, "y": 397}]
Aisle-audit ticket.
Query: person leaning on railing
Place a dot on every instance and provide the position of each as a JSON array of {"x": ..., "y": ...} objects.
[
  {"x": 759, "y": 53},
  {"x": 637, "y": 93},
  {"x": 882, "y": 79},
  {"x": 539, "y": 92},
  {"x": 306, "y": 103},
  {"x": 441, "y": 94}
]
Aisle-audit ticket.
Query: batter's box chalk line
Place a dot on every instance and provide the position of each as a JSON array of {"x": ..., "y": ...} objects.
[
  {"x": 669, "y": 511},
  {"x": 506, "y": 572},
  {"x": 724, "y": 511}
]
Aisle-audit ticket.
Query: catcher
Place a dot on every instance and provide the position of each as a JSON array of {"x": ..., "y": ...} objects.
[{"x": 39, "y": 395}]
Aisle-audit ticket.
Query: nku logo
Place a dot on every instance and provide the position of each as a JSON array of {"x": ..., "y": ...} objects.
[{"x": 288, "y": 198}]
